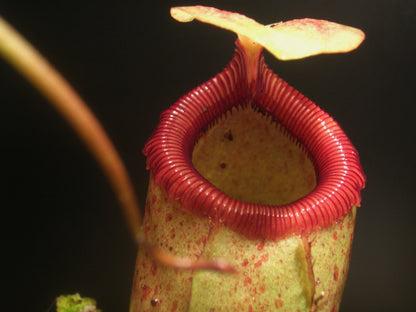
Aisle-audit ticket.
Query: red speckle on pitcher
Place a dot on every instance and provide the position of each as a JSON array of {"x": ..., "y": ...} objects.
[
  {"x": 260, "y": 246},
  {"x": 146, "y": 290},
  {"x": 278, "y": 303},
  {"x": 174, "y": 306},
  {"x": 153, "y": 268},
  {"x": 263, "y": 258},
  {"x": 336, "y": 273}
]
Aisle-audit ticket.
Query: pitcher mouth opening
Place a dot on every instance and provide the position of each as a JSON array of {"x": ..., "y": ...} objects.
[
  {"x": 333, "y": 179},
  {"x": 252, "y": 158}
]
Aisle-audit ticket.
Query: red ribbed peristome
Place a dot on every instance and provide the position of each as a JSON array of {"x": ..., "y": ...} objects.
[{"x": 339, "y": 174}]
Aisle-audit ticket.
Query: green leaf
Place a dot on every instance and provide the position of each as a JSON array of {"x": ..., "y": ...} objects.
[{"x": 75, "y": 303}]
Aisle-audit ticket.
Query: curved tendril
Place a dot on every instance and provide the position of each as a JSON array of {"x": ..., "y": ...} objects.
[
  {"x": 21, "y": 55},
  {"x": 185, "y": 263},
  {"x": 36, "y": 69}
]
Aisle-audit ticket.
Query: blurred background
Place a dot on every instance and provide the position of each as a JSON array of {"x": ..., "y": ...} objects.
[{"x": 61, "y": 229}]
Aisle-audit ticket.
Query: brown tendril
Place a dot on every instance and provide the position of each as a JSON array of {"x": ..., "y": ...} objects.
[{"x": 21, "y": 55}]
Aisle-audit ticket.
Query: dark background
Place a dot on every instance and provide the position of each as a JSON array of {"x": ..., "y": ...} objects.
[{"x": 61, "y": 230}]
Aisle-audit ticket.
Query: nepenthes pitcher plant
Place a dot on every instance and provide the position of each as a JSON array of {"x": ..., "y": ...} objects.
[{"x": 253, "y": 188}]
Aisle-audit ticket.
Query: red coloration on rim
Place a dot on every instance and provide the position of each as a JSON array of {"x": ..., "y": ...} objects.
[{"x": 339, "y": 174}]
